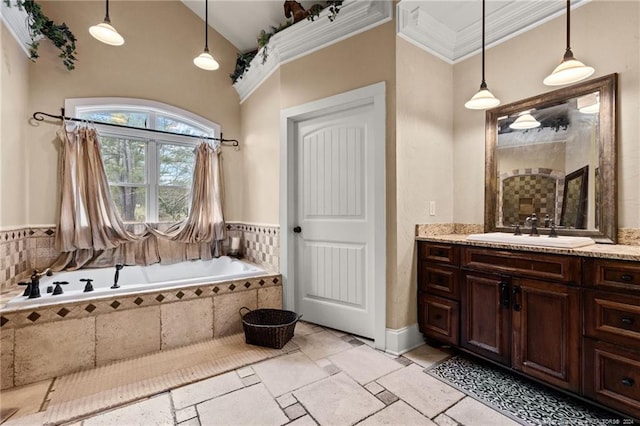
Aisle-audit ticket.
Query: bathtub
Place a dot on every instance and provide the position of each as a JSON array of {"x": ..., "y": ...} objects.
[{"x": 137, "y": 279}]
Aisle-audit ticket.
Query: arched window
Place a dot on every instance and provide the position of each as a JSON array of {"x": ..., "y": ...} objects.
[{"x": 149, "y": 173}]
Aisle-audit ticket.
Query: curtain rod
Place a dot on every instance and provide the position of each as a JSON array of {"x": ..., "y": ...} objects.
[{"x": 39, "y": 116}]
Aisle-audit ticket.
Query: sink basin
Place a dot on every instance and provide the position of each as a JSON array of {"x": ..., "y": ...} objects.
[{"x": 541, "y": 241}]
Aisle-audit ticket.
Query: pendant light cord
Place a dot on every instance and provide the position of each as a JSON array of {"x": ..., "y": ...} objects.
[
  {"x": 483, "y": 84},
  {"x": 106, "y": 16},
  {"x": 568, "y": 54},
  {"x": 206, "y": 25}
]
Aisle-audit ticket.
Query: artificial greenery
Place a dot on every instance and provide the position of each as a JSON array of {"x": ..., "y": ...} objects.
[
  {"x": 40, "y": 24},
  {"x": 244, "y": 60}
]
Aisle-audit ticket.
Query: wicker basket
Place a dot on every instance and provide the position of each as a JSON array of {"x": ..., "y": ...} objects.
[{"x": 272, "y": 328}]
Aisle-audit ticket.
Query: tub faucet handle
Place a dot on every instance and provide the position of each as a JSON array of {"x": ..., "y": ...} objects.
[
  {"x": 57, "y": 289},
  {"x": 88, "y": 286},
  {"x": 27, "y": 290}
]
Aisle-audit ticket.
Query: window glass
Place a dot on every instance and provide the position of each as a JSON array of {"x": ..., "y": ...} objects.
[
  {"x": 173, "y": 203},
  {"x": 176, "y": 164},
  {"x": 172, "y": 124},
  {"x": 124, "y": 159},
  {"x": 131, "y": 202},
  {"x": 125, "y": 118}
]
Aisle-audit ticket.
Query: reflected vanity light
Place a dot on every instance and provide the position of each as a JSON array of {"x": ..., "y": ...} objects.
[
  {"x": 589, "y": 104},
  {"x": 525, "y": 121}
]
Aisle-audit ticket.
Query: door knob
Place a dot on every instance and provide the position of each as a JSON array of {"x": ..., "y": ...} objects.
[{"x": 297, "y": 230}]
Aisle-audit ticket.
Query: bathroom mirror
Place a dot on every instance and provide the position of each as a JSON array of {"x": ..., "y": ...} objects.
[{"x": 555, "y": 155}]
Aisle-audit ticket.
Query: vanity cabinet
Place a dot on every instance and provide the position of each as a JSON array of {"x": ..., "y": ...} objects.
[
  {"x": 572, "y": 322},
  {"x": 438, "y": 292},
  {"x": 612, "y": 333},
  {"x": 524, "y": 312}
]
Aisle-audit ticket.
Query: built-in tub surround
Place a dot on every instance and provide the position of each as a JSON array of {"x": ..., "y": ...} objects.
[
  {"x": 48, "y": 341},
  {"x": 133, "y": 280},
  {"x": 27, "y": 248}
]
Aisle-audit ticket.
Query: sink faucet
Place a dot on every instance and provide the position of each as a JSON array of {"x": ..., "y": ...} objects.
[
  {"x": 533, "y": 221},
  {"x": 33, "y": 287}
]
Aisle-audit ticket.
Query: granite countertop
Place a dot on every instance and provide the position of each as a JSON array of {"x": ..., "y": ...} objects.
[{"x": 602, "y": 251}]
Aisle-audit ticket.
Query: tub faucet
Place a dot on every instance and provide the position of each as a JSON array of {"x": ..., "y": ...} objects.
[
  {"x": 116, "y": 277},
  {"x": 33, "y": 287}
]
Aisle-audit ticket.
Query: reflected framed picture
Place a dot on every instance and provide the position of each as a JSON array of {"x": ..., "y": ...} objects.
[{"x": 574, "y": 200}]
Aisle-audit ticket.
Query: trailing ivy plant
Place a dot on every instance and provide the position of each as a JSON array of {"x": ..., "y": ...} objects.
[
  {"x": 334, "y": 8},
  {"x": 243, "y": 61},
  {"x": 40, "y": 24}
]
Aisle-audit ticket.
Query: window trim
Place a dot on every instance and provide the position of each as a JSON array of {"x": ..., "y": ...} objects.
[{"x": 153, "y": 140}]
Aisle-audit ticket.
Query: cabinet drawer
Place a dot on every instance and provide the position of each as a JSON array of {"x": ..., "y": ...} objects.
[
  {"x": 438, "y": 318},
  {"x": 612, "y": 317},
  {"x": 612, "y": 376},
  {"x": 438, "y": 252},
  {"x": 614, "y": 274},
  {"x": 439, "y": 280},
  {"x": 530, "y": 265}
]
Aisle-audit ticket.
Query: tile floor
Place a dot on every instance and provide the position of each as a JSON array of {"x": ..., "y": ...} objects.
[{"x": 333, "y": 379}]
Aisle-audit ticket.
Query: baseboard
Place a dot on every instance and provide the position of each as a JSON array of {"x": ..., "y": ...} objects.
[{"x": 403, "y": 339}]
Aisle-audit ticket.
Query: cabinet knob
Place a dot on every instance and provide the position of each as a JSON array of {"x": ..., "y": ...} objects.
[
  {"x": 626, "y": 320},
  {"x": 627, "y": 381},
  {"x": 626, "y": 277},
  {"x": 297, "y": 229}
]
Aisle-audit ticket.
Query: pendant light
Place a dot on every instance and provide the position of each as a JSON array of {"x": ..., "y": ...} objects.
[
  {"x": 525, "y": 121},
  {"x": 205, "y": 60},
  {"x": 105, "y": 33},
  {"x": 484, "y": 99},
  {"x": 570, "y": 69}
]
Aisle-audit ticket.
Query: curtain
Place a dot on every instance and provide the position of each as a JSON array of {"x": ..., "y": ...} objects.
[
  {"x": 92, "y": 234},
  {"x": 205, "y": 222}
]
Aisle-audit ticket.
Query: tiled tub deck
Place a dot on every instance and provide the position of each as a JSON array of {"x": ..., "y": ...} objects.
[{"x": 44, "y": 342}]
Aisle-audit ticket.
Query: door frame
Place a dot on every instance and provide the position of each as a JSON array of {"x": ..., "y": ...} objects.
[{"x": 368, "y": 95}]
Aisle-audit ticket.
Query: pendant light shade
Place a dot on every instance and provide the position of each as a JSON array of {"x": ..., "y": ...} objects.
[
  {"x": 570, "y": 69},
  {"x": 484, "y": 99},
  {"x": 525, "y": 121},
  {"x": 204, "y": 60},
  {"x": 105, "y": 32}
]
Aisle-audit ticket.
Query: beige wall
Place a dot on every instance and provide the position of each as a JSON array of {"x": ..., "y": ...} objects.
[
  {"x": 605, "y": 35},
  {"x": 161, "y": 40},
  {"x": 260, "y": 130},
  {"x": 424, "y": 163},
  {"x": 13, "y": 143},
  {"x": 358, "y": 61}
]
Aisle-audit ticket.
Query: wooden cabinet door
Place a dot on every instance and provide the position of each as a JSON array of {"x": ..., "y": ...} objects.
[
  {"x": 485, "y": 316},
  {"x": 546, "y": 332}
]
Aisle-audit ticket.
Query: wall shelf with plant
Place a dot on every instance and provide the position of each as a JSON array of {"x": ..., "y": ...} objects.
[
  {"x": 40, "y": 25},
  {"x": 305, "y": 37}
]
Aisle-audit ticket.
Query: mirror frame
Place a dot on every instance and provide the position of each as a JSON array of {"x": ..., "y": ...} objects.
[{"x": 607, "y": 213}]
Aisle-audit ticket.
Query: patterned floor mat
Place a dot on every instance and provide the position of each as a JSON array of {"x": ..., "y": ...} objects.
[{"x": 523, "y": 400}]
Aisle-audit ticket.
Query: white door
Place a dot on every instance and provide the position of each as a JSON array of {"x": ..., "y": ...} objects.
[{"x": 334, "y": 219}]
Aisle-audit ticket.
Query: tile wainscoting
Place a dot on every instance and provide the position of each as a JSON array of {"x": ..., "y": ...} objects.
[
  {"x": 626, "y": 236},
  {"x": 24, "y": 249},
  {"x": 49, "y": 341}
]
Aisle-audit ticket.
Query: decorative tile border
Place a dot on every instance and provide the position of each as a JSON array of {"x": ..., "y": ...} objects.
[
  {"x": 17, "y": 318},
  {"x": 260, "y": 243}
]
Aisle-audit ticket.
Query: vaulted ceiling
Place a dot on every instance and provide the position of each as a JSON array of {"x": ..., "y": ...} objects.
[{"x": 450, "y": 29}]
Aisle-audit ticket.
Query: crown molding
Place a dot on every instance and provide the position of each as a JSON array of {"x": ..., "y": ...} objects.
[
  {"x": 306, "y": 37},
  {"x": 418, "y": 26}
]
